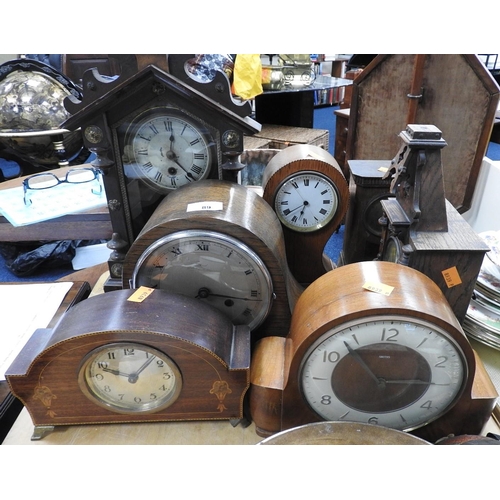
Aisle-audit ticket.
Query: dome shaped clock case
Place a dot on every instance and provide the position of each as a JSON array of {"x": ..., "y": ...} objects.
[{"x": 356, "y": 352}]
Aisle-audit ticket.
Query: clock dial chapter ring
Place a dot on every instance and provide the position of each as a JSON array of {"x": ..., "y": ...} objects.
[
  {"x": 128, "y": 377},
  {"x": 406, "y": 373},
  {"x": 306, "y": 201},
  {"x": 209, "y": 266},
  {"x": 166, "y": 149}
]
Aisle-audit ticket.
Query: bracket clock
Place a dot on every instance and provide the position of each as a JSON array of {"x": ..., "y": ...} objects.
[
  {"x": 420, "y": 228},
  {"x": 308, "y": 191},
  {"x": 153, "y": 133},
  {"x": 132, "y": 356},
  {"x": 374, "y": 343},
  {"x": 222, "y": 244}
]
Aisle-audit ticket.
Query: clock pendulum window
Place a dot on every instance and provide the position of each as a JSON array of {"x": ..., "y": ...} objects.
[{"x": 152, "y": 133}]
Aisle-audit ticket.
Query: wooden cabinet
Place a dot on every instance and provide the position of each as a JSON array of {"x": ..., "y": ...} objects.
[{"x": 341, "y": 129}]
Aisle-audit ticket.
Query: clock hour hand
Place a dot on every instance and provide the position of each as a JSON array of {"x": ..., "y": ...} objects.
[
  {"x": 204, "y": 293},
  {"x": 115, "y": 372},
  {"x": 411, "y": 382},
  {"x": 359, "y": 359}
]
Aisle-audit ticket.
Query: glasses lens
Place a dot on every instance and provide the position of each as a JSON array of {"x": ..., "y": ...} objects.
[
  {"x": 42, "y": 181},
  {"x": 77, "y": 176}
]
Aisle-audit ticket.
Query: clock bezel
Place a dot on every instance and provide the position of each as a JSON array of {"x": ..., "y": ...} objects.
[
  {"x": 225, "y": 239},
  {"x": 308, "y": 229},
  {"x": 126, "y": 139},
  {"x": 377, "y": 318},
  {"x": 85, "y": 385}
]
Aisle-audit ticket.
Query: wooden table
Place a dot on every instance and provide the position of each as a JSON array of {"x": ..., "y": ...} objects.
[{"x": 93, "y": 224}]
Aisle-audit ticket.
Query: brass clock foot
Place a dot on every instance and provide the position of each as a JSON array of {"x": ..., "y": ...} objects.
[{"x": 40, "y": 431}]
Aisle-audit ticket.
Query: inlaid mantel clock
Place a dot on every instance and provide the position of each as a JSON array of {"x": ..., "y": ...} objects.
[
  {"x": 153, "y": 133},
  {"x": 420, "y": 228},
  {"x": 158, "y": 357}
]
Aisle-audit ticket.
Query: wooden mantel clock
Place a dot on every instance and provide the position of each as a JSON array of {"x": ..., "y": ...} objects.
[
  {"x": 420, "y": 228},
  {"x": 153, "y": 133},
  {"x": 308, "y": 191},
  {"x": 222, "y": 244},
  {"x": 157, "y": 357},
  {"x": 376, "y": 343}
]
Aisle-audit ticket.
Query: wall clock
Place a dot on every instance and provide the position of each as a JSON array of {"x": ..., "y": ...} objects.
[
  {"x": 222, "y": 244},
  {"x": 420, "y": 228},
  {"x": 308, "y": 191},
  {"x": 153, "y": 133},
  {"x": 160, "y": 358},
  {"x": 371, "y": 342}
]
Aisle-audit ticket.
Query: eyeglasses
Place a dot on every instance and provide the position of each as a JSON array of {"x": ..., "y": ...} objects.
[{"x": 49, "y": 180}]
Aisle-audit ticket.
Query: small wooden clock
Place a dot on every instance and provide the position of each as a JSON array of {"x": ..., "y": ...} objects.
[
  {"x": 308, "y": 191},
  {"x": 134, "y": 356},
  {"x": 377, "y": 343},
  {"x": 221, "y": 243},
  {"x": 420, "y": 228},
  {"x": 153, "y": 133}
]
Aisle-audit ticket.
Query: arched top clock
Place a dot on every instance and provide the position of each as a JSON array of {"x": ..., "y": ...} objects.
[{"x": 371, "y": 342}]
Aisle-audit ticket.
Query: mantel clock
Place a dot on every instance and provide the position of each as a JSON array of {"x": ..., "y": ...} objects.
[
  {"x": 222, "y": 244},
  {"x": 374, "y": 343},
  {"x": 308, "y": 191},
  {"x": 158, "y": 357},
  {"x": 420, "y": 228},
  {"x": 153, "y": 133}
]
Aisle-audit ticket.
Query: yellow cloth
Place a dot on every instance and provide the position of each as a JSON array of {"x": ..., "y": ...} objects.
[{"x": 247, "y": 76}]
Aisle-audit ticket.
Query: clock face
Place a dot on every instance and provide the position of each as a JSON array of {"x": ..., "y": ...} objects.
[
  {"x": 129, "y": 377},
  {"x": 392, "y": 250},
  {"x": 166, "y": 149},
  {"x": 212, "y": 267},
  {"x": 394, "y": 372},
  {"x": 306, "y": 201}
]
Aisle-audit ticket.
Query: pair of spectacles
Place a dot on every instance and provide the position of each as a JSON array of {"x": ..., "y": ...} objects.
[{"x": 48, "y": 180}]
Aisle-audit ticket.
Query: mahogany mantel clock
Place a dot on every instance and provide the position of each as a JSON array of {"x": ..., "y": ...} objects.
[
  {"x": 376, "y": 343},
  {"x": 153, "y": 133},
  {"x": 308, "y": 191},
  {"x": 157, "y": 357}
]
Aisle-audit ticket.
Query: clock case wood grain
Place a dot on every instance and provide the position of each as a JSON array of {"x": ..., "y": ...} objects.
[
  {"x": 206, "y": 347},
  {"x": 109, "y": 103},
  {"x": 275, "y": 398},
  {"x": 244, "y": 216}
]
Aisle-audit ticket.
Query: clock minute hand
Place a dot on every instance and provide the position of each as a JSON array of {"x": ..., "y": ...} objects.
[
  {"x": 133, "y": 377},
  {"x": 359, "y": 359}
]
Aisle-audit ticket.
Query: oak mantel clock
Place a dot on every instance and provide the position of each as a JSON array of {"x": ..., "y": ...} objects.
[
  {"x": 222, "y": 244},
  {"x": 158, "y": 357},
  {"x": 420, "y": 228},
  {"x": 153, "y": 133},
  {"x": 308, "y": 191},
  {"x": 376, "y": 343}
]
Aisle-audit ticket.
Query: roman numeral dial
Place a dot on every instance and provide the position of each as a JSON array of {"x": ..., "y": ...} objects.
[
  {"x": 166, "y": 149},
  {"x": 306, "y": 201}
]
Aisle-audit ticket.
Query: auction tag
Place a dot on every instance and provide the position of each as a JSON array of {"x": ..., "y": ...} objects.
[
  {"x": 378, "y": 288},
  {"x": 204, "y": 205},
  {"x": 451, "y": 277},
  {"x": 141, "y": 294}
]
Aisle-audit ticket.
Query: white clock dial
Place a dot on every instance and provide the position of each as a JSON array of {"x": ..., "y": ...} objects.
[
  {"x": 210, "y": 266},
  {"x": 167, "y": 150},
  {"x": 394, "y": 372},
  {"x": 306, "y": 201},
  {"x": 128, "y": 378}
]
